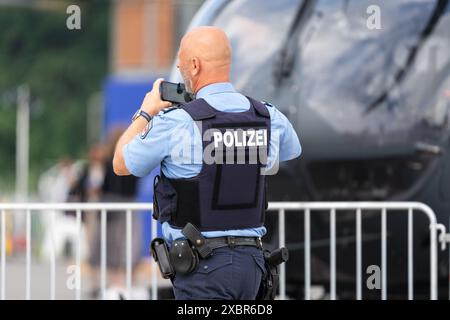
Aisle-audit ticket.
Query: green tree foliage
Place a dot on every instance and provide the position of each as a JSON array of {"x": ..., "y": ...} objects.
[{"x": 63, "y": 69}]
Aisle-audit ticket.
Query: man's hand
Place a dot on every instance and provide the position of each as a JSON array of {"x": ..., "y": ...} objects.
[{"x": 152, "y": 103}]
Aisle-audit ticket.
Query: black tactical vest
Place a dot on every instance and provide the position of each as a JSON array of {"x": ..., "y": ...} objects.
[{"x": 229, "y": 191}]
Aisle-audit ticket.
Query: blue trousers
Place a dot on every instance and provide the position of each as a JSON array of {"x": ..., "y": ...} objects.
[{"x": 229, "y": 274}]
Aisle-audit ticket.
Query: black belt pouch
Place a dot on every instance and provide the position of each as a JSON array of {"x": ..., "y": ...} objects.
[{"x": 160, "y": 253}]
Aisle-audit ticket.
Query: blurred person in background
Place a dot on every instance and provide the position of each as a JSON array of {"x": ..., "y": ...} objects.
[
  {"x": 55, "y": 185},
  {"x": 116, "y": 189},
  {"x": 89, "y": 184},
  {"x": 88, "y": 187}
]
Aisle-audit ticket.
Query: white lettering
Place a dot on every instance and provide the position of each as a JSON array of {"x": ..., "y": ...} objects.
[
  {"x": 240, "y": 138},
  {"x": 251, "y": 139},
  {"x": 217, "y": 138},
  {"x": 188, "y": 310},
  {"x": 238, "y": 143},
  {"x": 228, "y": 139},
  {"x": 73, "y": 22},
  {"x": 373, "y": 281},
  {"x": 259, "y": 138},
  {"x": 373, "y": 22},
  {"x": 73, "y": 280}
]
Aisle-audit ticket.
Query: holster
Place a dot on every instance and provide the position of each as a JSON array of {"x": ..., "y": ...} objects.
[
  {"x": 160, "y": 253},
  {"x": 271, "y": 279},
  {"x": 184, "y": 258},
  {"x": 197, "y": 240},
  {"x": 185, "y": 254}
]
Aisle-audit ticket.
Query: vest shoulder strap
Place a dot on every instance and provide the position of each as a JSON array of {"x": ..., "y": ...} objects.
[
  {"x": 199, "y": 110},
  {"x": 259, "y": 107}
]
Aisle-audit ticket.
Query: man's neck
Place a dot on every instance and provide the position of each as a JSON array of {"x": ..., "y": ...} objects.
[{"x": 211, "y": 81}]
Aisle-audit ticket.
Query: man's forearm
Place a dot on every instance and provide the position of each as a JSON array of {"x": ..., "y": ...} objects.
[
  {"x": 152, "y": 104},
  {"x": 119, "y": 162}
]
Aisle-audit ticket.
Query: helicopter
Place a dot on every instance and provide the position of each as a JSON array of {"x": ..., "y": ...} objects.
[{"x": 371, "y": 109}]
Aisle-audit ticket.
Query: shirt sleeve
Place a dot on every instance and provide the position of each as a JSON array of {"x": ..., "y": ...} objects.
[
  {"x": 284, "y": 140},
  {"x": 146, "y": 151}
]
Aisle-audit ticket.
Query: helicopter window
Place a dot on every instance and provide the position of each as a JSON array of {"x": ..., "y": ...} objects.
[{"x": 267, "y": 23}]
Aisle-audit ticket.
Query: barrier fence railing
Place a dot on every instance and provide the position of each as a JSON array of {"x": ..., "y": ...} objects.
[
  {"x": 282, "y": 208},
  {"x": 360, "y": 208},
  {"x": 103, "y": 208}
]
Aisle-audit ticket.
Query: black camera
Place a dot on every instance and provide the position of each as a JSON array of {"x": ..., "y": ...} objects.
[{"x": 174, "y": 92}]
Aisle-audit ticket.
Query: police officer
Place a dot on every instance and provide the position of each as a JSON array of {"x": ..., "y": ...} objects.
[{"x": 211, "y": 152}]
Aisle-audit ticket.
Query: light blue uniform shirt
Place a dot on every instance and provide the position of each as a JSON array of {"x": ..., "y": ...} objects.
[{"x": 174, "y": 142}]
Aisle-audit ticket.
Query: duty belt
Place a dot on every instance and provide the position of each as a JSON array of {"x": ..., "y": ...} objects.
[
  {"x": 220, "y": 242},
  {"x": 205, "y": 246}
]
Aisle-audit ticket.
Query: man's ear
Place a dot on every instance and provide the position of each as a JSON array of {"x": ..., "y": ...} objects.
[{"x": 195, "y": 66}]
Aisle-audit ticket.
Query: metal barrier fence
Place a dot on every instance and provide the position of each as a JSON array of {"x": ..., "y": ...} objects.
[
  {"x": 281, "y": 207},
  {"x": 104, "y": 208},
  {"x": 359, "y": 207}
]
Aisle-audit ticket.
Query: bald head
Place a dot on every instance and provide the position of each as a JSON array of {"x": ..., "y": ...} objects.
[{"x": 204, "y": 57}]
